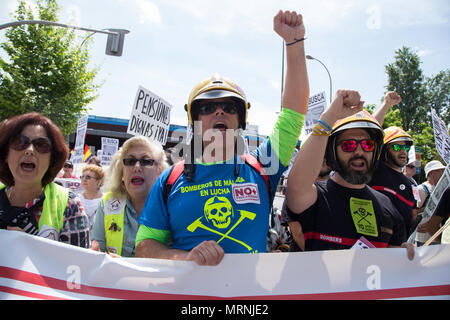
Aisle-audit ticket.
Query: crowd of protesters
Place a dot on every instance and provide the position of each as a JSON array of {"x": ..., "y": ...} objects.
[{"x": 351, "y": 179}]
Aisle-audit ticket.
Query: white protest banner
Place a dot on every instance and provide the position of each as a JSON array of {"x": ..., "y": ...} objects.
[
  {"x": 45, "y": 269},
  {"x": 317, "y": 104},
  {"x": 441, "y": 137},
  {"x": 78, "y": 154},
  {"x": 109, "y": 147},
  {"x": 150, "y": 116}
]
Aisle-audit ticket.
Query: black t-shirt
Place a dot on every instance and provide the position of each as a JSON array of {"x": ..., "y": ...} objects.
[
  {"x": 21, "y": 217},
  {"x": 398, "y": 188},
  {"x": 285, "y": 218},
  {"x": 340, "y": 216}
]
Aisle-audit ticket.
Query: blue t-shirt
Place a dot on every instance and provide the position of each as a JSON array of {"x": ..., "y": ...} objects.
[{"x": 232, "y": 210}]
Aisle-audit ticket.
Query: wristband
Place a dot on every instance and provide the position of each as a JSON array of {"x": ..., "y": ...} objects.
[
  {"x": 320, "y": 130},
  {"x": 326, "y": 125},
  {"x": 295, "y": 41}
]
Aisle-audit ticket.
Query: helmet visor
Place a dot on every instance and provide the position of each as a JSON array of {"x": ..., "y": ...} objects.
[{"x": 216, "y": 94}]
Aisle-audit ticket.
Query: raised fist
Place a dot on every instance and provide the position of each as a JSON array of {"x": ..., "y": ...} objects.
[
  {"x": 392, "y": 98},
  {"x": 289, "y": 25},
  {"x": 344, "y": 104},
  {"x": 351, "y": 98}
]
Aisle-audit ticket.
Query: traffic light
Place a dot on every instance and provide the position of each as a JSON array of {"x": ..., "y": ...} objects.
[{"x": 114, "y": 43}]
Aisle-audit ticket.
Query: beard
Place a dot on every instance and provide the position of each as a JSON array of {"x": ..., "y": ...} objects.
[
  {"x": 394, "y": 160},
  {"x": 355, "y": 177}
]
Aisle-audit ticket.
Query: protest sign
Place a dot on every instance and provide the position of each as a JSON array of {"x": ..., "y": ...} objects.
[
  {"x": 74, "y": 184},
  {"x": 78, "y": 154},
  {"x": 150, "y": 116},
  {"x": 316, "y": 106},
  {"x": 441, "y": 137},
  {"x": 46, "y": 269},
  {"x": 431, "y": 205},
  {"x": 109, "y": 147}
]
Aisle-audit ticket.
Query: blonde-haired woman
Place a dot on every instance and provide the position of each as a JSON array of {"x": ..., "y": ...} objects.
[
  {"x": 92, "y": 177},
  {"x": 131, "y": 174}
]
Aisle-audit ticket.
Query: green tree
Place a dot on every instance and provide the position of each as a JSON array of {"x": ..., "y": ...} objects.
[
  {"x": 46, "y": 70},
  {"x": 438, "y": 94},
  {"x": 370, "y": 107},
  {"x": 393, "y": 118},
  {"x": 406, "y": 78},
  {"x": 418, "y": 97}
]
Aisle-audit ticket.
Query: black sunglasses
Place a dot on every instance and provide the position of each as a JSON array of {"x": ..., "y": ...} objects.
[
  {"x": 210, "y": 107},
  {"x": 129, "y": 162},
  {"x": 21, "y": 142}
]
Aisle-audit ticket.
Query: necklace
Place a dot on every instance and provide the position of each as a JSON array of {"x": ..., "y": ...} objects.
[
  {"x": 12, "y": 196},
  {"x": 9, "y": 193}
]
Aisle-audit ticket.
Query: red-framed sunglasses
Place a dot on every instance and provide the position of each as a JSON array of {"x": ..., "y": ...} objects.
[{"x": 350, "y": 145}]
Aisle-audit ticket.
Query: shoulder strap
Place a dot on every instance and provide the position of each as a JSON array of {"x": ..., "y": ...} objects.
[
  {"x": 426, "y": 189},
  {"x": 175, "y": 173},
  {"x": 177, "y": 170},
  {"x": 255, "y": 164}
]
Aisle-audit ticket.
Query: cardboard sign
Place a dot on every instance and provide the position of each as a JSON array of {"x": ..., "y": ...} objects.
[
  {"x": 78, "y": 153},
  {"x": 432, "y": 203},
  {"x": 74, "y": 184},
  {"x": 441, "y": 137},
  {"x": 316, "y": 106},
  {"x": 150, "y": 116},
  {"x": 109, "y": 148}
]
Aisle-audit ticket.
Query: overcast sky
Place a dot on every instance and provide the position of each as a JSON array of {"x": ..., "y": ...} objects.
[{"x": 173, "y": 44}]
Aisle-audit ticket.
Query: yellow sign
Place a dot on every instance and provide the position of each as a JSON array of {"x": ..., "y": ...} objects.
[{"x": 363, "y": 216}]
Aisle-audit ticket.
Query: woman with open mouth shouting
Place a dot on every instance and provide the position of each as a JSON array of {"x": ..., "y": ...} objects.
[
  {"x": 131, "y": 174},
  {"x": 32, "y": 152}
]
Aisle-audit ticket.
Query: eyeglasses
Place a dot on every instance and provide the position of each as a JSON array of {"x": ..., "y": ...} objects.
[
  {"x": 411, "y": 166},
  {"x": 350, "y": 145},
  {"x": 129, "y": 162},
  {"x": 87, "y": 177},
  {"x": 41, "y": 144},
  {"x": 398, "y": 147},
  {"x": 210, "y": 107}
]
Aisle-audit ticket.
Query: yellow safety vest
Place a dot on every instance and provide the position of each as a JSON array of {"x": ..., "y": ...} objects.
[
  {"x": 55, "y": 204},
  {"x": 114, "y": 215}
]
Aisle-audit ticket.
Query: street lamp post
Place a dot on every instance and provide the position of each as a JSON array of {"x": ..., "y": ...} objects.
[
  {"x": 114, "y": 43},
  {"x": 329, "y": 76},
  {"x": 282, "y": 74}
]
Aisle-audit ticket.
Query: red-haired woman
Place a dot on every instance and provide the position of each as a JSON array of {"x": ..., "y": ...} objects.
[{"x": 32, "y": 152}]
